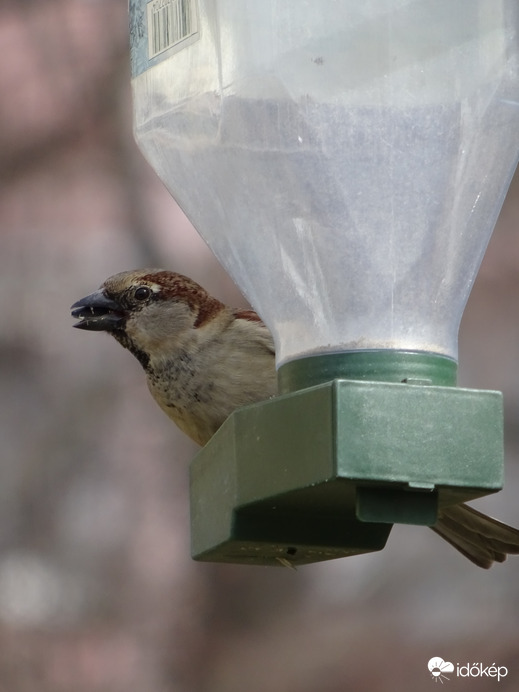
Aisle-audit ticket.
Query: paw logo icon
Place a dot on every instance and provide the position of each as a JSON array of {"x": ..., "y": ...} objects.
[{"x": 438, "y": 667}]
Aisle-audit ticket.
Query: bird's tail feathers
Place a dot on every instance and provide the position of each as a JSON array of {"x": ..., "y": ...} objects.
[{"x": 482, "y": 539}]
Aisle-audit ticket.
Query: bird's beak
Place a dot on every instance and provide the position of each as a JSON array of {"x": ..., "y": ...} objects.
[{"x": 97, "y": 312}]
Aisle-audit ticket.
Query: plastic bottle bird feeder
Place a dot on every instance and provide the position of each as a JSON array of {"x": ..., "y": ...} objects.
[{"x": 346, "y": 162}]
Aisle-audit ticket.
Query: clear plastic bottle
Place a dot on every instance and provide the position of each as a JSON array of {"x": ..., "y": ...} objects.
[{"x": 346, "y": 161}]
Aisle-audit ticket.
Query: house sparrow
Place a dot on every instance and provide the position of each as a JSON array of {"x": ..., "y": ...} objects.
[{"x": 203, "y": 360}]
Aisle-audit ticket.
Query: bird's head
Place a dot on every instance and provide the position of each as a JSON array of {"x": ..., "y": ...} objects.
[{"x": 146, "y": 310}]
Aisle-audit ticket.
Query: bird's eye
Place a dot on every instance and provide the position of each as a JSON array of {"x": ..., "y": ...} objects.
[{"x": 142, "y": 293}]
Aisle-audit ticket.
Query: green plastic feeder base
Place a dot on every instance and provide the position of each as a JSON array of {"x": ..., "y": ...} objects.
[{"x": 323, "y": 472}]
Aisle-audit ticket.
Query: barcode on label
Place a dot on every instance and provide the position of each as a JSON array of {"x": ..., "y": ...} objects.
[{"x": 169, "y": 23}]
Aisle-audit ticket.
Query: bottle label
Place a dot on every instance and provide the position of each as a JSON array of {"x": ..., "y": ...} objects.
[{"x": 160, "y": 28}]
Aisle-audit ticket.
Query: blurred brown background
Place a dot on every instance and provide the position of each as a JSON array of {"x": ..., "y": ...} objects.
[{"x": 97, "y": 589}]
